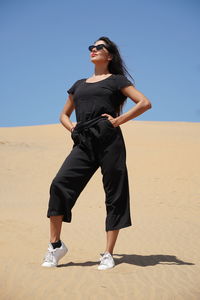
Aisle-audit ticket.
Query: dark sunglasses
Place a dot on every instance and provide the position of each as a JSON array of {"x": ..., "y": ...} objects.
[{"x": 98, "y": 47}]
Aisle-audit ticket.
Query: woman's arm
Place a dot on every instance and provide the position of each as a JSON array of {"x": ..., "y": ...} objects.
[
  {"x": 66, "y": 113},
  {"x": 142, "y": 104}
]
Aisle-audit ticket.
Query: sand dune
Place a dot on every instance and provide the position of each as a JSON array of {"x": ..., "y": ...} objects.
[{"x": 157, "y": 258}]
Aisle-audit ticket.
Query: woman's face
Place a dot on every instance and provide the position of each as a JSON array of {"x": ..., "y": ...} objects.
[{"x": 100, "y": 56}]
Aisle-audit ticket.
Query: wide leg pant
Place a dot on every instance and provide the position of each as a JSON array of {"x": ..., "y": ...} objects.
[{"x": 97, "y": 143}]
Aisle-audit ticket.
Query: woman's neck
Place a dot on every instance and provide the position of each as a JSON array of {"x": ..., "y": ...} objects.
[{"x": 101, "y": 71}]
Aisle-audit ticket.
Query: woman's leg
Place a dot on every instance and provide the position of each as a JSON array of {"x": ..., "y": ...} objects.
[
  {"x": 55, "y": 252},
  {"x": 111, "y": 239},
  {"x": 70, "y": 180},
  {"x": 116, "y": 185},
  {"x": 107, "y": 260},
  {"x": 55, "y": 228}
]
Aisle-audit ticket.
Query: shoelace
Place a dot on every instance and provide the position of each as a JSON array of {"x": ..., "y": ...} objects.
[
  {"x": 49, "y": 255},
  {"x": 104, "y": 257}
]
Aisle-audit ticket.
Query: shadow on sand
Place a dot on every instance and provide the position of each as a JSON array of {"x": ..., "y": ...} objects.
[{"x": 133, "y": 259}]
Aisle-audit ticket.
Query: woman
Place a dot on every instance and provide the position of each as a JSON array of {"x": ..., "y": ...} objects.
[{"x": 98, "y": 142}]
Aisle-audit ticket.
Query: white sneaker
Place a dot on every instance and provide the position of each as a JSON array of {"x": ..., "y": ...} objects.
[
  {"x": 52, "y": 256},
  {"x": 107, "y": 262}
]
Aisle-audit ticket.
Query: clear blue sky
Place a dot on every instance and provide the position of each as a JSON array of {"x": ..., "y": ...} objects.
[{"x": 44, "y": 50}]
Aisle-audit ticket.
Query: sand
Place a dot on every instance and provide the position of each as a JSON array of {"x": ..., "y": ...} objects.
[{"x": 156, "y": 258}]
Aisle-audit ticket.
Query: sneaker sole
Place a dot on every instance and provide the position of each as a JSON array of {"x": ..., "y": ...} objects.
[
  {"x": 103, "y": 269},
  {"x": 48, "y": 266}
]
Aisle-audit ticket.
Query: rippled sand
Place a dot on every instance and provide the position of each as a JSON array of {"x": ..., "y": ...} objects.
[{"x": 157, "y": 258}]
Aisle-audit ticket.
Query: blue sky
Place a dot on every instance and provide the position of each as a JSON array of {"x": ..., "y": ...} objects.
[{"x": 44, "y": 50}]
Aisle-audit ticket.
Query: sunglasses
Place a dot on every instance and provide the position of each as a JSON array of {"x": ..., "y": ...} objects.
[{"x": 98, "y": 47}]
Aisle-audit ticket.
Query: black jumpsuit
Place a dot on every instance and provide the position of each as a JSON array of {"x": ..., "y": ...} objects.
[{"x": 97, "y": 143}]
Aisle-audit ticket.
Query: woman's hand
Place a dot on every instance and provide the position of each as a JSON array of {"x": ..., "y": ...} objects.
[{"x": 111, "y": 119}]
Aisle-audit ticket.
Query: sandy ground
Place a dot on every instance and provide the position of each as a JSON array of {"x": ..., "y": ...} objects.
[{"x": 156, "y": 258}]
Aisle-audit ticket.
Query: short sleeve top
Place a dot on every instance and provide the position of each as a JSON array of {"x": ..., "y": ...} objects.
[{"x": 91, "y": 99}]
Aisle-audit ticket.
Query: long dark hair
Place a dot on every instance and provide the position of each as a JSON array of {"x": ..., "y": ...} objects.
[{"x": 116, "y": 65}]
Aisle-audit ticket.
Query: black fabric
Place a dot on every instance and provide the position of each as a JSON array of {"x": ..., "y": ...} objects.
[
  {"x": 56, "y": 244},
  {"x": 93, "y": 99},
  {"x": 97, "y": 143}
]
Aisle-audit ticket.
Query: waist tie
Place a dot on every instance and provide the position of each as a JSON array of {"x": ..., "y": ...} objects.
[{"x": 83, "y": 135}]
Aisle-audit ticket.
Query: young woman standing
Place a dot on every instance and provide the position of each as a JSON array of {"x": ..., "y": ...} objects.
[{"x": 98, "y": 142}]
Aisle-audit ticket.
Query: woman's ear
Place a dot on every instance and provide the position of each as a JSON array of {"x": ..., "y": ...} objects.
[{"x": 110, "y": 57}]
